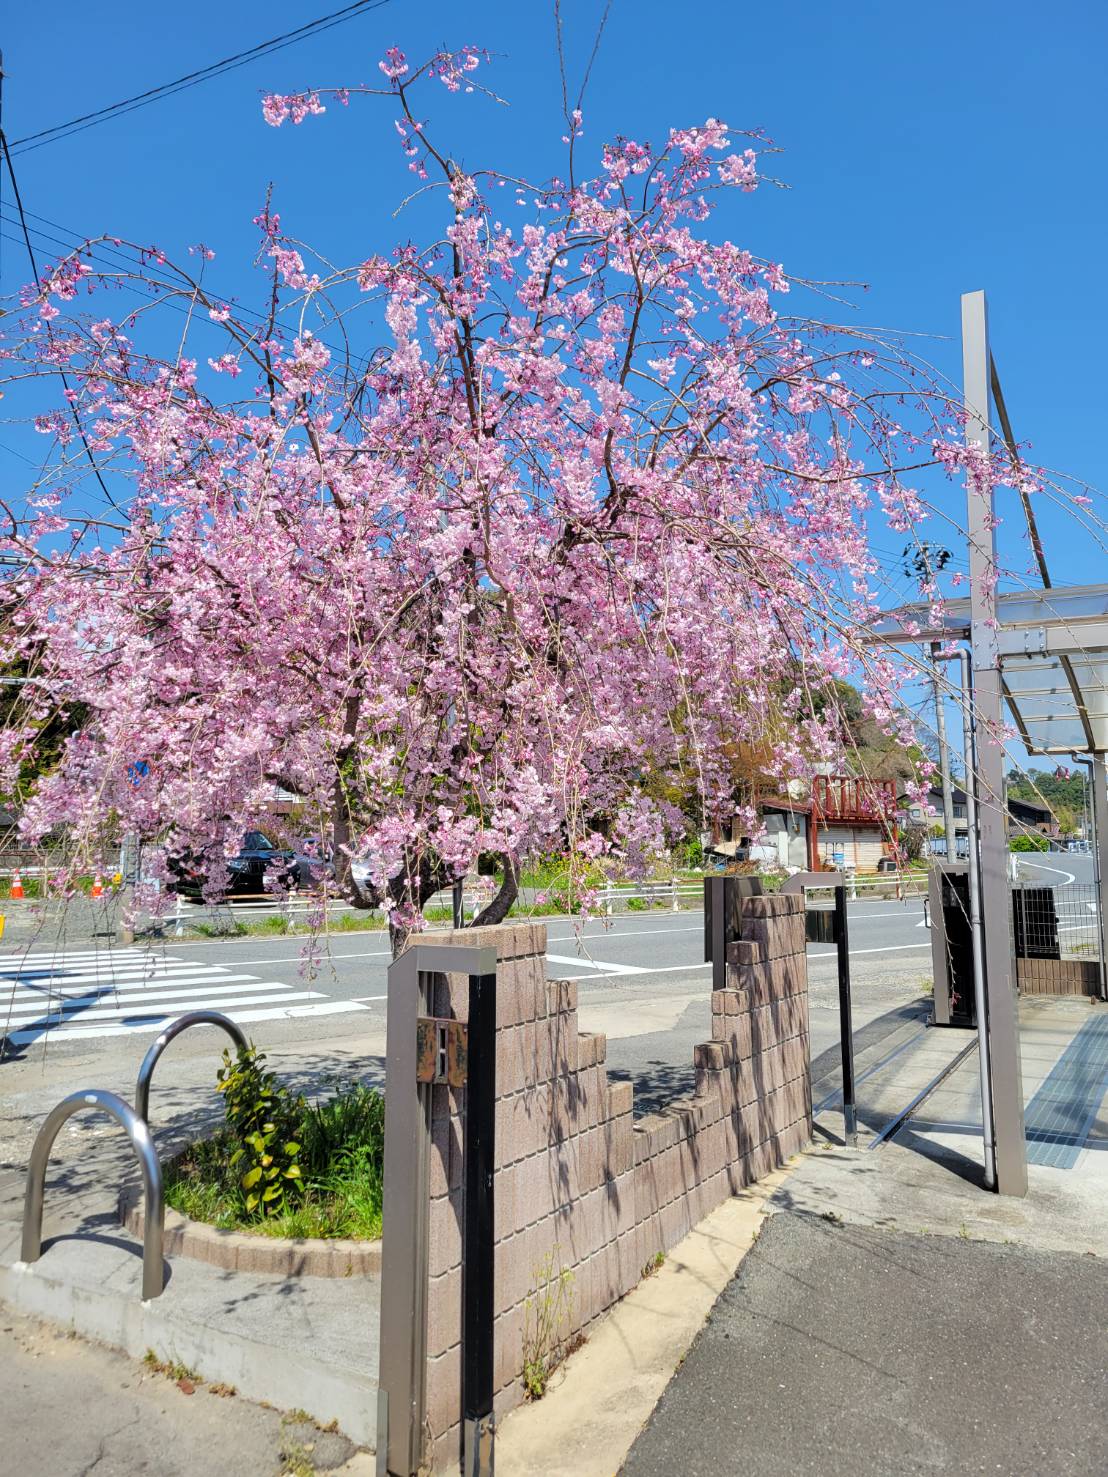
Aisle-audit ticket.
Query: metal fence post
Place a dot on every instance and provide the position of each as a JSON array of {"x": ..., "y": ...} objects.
[
  {"x": 402, "y": 1394},
  {"x": 1099, "y": 777},
  {"x": 479, "y": 1153}
]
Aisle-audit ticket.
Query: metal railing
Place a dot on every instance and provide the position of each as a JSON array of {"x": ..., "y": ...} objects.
[
  {"x": 182, "y": 1023},
  {"x": 1056, "y": 922},
  {"x": 153, "y": 1190}
]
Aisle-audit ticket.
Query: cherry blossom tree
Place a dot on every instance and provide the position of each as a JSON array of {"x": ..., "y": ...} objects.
[{"x": 595, "y": 506}]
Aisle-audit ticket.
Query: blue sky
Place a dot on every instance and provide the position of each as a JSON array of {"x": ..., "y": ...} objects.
[{"x": 929, "y": 149}]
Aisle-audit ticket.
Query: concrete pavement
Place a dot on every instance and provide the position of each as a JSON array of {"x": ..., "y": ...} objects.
[{"x": 70, "y": 1409}]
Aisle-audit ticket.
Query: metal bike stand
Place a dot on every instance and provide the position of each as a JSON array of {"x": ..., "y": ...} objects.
[
  {"x": 182, "y": 1023},
  {"x": 154, "y": 1201}
]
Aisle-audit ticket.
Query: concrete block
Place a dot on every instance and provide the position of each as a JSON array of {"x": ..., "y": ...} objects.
[
  {"x": 591, "y": 1158},
  {"x": 561, "y": 996},
  {"x": 519, "y": 993},
  {"x": 619, "y": 1206},
  {"x": 444, "y": 1389},
  {"x": 746, "y": 951},
  {"x": 711, "y": 1056},
  {"x": 561, "y": 1037},
  {"x": 450, "y": 995},
  {"x": 535, "y": 1183},
  {"x": 445, "y": 1234},
  {"x": 676, "y": 1222},
  {"x": 504, "y": 1211},
  {"x": 446, "y": 1156},
  {"x": 444, "y": 1311},
  {"x": 618, "y": 1142},
  {"x": 621, "y": 1098},
  {"x": 507, "y": 1359}
]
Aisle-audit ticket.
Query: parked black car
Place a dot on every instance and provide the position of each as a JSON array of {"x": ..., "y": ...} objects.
[
  {"x": 312, "y": 863},
  {"x": 247, "y": 871}
]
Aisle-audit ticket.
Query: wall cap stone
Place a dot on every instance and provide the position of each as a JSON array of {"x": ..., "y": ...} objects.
[{"x": 239, "y": 1251}]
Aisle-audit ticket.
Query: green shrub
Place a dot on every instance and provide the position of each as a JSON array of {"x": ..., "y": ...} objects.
[
  {"x": 261, "y": 1119},
  {"x": 334, "y": 1150},
  {"x": 1029, "y": 842}
]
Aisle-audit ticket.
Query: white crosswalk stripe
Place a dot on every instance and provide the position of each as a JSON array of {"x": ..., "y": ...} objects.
[{"x": 81, "y": 993}]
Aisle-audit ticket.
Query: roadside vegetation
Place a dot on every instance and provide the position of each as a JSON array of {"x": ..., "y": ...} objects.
[{"x": 281, "y": 1166}]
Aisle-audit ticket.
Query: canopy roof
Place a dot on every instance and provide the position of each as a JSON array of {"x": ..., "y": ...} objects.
[{"x": 1053, "y": 647}]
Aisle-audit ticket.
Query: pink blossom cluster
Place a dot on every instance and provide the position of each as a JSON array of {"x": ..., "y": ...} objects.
[{"x": 589, "y": 521}]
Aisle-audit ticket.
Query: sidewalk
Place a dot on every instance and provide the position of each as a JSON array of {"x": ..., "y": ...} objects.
[
  {"x": 308, "y": 1342},
  {"x": 70, "y": 1408},
  {"x": 893, "y": 1316}
]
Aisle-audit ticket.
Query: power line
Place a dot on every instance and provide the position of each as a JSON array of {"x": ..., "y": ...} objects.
[
  {"x": 192, "y": 79},
  {"x": 34, "y": 268},
  {"x": 113, "y": 260}
]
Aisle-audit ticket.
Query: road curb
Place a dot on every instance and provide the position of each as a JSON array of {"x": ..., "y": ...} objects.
[
  {"x": 257, "y": 1371},
  {"x": 603, "y": 1396},
  {"x": 238, "y": 1251}
]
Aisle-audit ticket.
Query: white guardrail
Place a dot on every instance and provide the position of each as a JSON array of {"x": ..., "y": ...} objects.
[{"x": 672, "y": 894}]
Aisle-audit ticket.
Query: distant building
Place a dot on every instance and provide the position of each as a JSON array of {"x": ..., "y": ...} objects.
[
  {"x": 844, "y": 821},
  {"x": 1023, "y": 815}
]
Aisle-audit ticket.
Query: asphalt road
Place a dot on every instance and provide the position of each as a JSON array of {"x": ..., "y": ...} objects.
[
  {"x": 849, "y": 1349},
  {"x": 641, "y": 980}
]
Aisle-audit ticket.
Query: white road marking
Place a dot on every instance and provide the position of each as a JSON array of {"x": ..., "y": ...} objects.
[
  {"x": 583, "y": 963},
  {"x": 887, "y": 949},
  {"x": 624, "y": 969},
  {"x": 90, "y": 993},
  {"x": 1058, "y": 871},
  {"x": 131, "y": 1003},
  {"x": 152, "y": 1009},
  {"x": 242, "y": 1017}
]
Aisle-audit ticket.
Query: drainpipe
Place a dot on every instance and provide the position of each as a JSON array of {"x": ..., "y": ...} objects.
[{"x": 1094, "y": 838}]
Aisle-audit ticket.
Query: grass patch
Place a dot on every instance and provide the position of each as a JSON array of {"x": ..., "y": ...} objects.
[
  {"x": 655, "y": 1264},
  {"x": 337, "y": 1192},
  {"x": 172, "y": 1369}
]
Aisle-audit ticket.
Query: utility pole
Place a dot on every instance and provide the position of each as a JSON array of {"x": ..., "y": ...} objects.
[
  {"x": 944, "y": 756},
  {"x": 920, "y": 565}
]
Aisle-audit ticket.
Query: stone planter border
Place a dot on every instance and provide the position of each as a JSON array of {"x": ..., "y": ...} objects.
[{"x": 237, "y": 1251}]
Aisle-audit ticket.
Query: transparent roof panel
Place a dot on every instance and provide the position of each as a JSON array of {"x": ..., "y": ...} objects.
[
  {"x": 1045, "y": 708},
  {"x": 1054, "y": 660}
]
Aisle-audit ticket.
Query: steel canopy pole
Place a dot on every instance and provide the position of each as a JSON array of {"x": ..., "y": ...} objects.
[
  {"x": 846, "y": 1024},
  {"x": 981, "y": 1009},
  {"x": 1099, "y": 782},
  {"x": 988, "y": 780}
]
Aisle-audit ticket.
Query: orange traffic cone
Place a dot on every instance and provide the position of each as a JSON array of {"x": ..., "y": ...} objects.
[
  {"x": 16, "y": 889},
  {"x": 98, "y": 886}
]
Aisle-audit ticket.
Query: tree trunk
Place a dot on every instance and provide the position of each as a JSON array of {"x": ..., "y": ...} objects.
[{"x": 499, "y": 908}]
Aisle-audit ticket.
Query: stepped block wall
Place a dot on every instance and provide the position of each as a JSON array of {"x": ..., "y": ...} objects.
[{"x": 586, "y": 1194}]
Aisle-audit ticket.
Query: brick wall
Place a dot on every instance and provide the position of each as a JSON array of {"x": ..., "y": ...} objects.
[
  {"x": 1058, "y": 976},
  {"x": 578, "y": 1178}
]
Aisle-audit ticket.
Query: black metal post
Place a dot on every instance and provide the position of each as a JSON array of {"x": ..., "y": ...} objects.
[
  {"x": 477, "y": 1258},
  {"x": 846, "y": 1026},
  {"x": 459, "y": 903}
]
